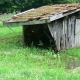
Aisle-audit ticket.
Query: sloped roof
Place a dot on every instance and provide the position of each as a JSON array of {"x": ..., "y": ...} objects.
[{"x": 45, "y": 12}]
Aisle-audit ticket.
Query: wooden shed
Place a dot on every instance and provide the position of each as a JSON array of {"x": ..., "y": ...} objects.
[{"x": 59, "y": 23}]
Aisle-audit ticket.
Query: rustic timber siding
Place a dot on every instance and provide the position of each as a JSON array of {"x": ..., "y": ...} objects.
[
  {"x": 56, "y": 29},
  {"x": 77, "y": 31},
  {"x": 64, "y": 32}
]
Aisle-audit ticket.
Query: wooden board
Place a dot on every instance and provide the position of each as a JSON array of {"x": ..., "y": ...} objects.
[
  {"x": 63, "y": 32},
  {"x": 77, "y": 33}
]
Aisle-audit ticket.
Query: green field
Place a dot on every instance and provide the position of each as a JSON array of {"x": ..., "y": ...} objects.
[{"x": 19, "y": 62}]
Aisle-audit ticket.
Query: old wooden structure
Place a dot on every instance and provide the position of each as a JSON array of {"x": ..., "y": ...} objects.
[{"x": 59, "y": 23}]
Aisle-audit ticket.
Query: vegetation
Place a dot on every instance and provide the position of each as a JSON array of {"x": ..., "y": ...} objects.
[
  {"x": 21, "y": 5},
  {"x": 19, "y": 62}
]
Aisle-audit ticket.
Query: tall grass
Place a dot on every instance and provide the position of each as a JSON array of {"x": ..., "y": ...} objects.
[{"x": 19, "y": 62}]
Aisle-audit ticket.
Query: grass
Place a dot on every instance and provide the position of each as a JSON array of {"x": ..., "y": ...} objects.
[{"x": 19, "y": 62}]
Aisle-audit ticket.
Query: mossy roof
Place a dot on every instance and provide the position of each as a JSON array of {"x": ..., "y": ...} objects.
[{"x": 44, "y": 12}]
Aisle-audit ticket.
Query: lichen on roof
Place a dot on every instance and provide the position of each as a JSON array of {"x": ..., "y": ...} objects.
[{"x": 44, "y": 12}]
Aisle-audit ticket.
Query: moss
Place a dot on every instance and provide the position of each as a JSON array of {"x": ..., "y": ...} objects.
[{"x": 44, "y": 11}]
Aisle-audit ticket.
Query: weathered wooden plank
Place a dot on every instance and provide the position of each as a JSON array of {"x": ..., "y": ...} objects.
[
  {"x": 54, "y": 28},
  {"x": 69, "y": 33},
  {"x": 73, "y": 31},
  {"x": 33, "y": 22},
  {"x": 62, "y": 36},
  {"x": 64, "y": 33},
  {"x": 77, "y": 33},
  {"x": 69, "y": 24},
  {"x": 58, "y": 34},
  {"x": 72, "y": 26}
]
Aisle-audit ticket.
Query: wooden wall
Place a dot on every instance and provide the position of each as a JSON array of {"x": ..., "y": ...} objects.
[{"x": 66, "y": 32}]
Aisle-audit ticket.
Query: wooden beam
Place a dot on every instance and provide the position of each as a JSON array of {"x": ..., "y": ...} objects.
[{"x": 26, "y": 22}]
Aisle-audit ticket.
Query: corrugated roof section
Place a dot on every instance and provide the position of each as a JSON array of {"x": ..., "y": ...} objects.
[{"x": 44, "y": 12}]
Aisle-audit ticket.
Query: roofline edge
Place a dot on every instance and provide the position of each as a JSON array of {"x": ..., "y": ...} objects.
[
  {"x": 26, "y": 23},
  {"x": 44, "y": 21}
]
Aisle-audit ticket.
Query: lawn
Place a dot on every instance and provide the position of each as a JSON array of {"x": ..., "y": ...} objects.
[{"x": 19, "y": 62}]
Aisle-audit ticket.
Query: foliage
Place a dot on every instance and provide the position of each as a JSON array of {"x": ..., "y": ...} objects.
[{"x": 21, "y": 5}]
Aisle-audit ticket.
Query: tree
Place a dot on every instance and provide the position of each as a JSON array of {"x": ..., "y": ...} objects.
[{"x": 22, "y": 5}]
